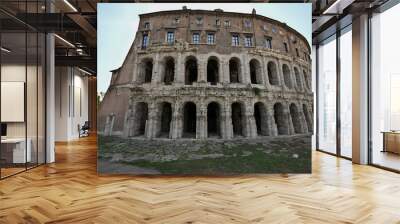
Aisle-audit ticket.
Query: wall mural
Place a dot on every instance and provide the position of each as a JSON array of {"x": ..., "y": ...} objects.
[{"x": 208, "y": 92}]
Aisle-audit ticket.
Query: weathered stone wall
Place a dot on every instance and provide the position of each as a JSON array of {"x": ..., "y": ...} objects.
[
  {"x": 260, "y": 28},
  {"x": 268, "y": 89},
  {"x": 111, "y": 113}
]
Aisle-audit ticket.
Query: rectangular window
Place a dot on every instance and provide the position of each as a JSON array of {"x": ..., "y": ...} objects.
[
  {"x": 327, "y": 95},
  {"x": 227, "y": 23},
  {"x": 146, "y": 25},
  {"x": 145, "y": 41},
  {"x": 385, "y": 89},
  {"x": 345, "y": 83},
  {"x": 268, "y": 43},
  {"x": 285, "y": 46},
  {"x": 170, "y": 37},
  {"x": 211, "y": 38},
  {"x": 217, "y": 22},
  {"x": 199, "y": 20},
  {"x": 177, "y": 21},
  {"x": 247, "y": 23},
  {"x": 196, "y": 38},
  {"x": 248, "y": 41},
  {"x": 235, "y": 40},
  {"x": 297, "y": 52}
]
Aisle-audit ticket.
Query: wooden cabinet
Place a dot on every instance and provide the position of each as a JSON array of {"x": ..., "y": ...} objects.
[{"x": 391, "y": 142}]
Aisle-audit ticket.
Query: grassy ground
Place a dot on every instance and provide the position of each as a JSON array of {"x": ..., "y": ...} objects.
[{"x": 269, "y": 155}]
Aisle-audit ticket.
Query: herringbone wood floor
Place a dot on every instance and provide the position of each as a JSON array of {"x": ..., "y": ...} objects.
[{"x": 70, "y": 191}]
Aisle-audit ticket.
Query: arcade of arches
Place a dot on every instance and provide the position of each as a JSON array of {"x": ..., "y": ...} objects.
[
  {"x": 188, "y": 97},
  {"x": 218, "y": 119},
  {"x": 213, "y": 71}
]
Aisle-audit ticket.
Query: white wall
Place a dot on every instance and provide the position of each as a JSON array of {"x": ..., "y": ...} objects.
[{"x": 71, "y": 102}]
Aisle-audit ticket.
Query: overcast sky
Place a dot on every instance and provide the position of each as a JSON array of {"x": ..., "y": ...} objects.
[{"x": 117, "y": 25}]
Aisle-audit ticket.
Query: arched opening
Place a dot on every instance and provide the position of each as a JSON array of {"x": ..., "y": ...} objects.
[
  {"x": 169, "y": 70},
  {"x": 146, "y": 71},
  {"x": 189, "y": 120},
  {"x": 294, "y": 113},
  {"x": 234, "y": 70},
  {"x": 166, "y": 117},
  {"x": 286, "y": 76},
  {"x": 213, "y": 120},
  {"x": 308, "y": 119},
  {"x": 212, "y": 71},
  {"x": 298, "y": 79},
  {"x": 255, "y": 72},
  {"x": 281, "y": 120},
  {"x": 141, "y": 116},
  {"x": 306, "y": 79},
  {"x": 260, "y": 115},
  {"x": 190, "y": 70},
  {"x": 272, "y": 73},
  {"x": 237, "y": 119}
]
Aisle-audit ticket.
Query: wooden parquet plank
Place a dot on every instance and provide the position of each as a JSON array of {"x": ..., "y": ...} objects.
[{"x": 70, "y": 191}]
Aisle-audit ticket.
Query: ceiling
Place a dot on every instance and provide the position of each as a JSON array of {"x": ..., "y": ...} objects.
[
  {"x": 75, "y": 22},
  {"x": 332, "y": 15}
]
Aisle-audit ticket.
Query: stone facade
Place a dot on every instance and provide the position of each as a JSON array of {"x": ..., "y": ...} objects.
[{"x": 210, "y": 74}]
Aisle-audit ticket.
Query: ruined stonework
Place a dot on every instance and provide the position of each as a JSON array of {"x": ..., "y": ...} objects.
[{"x": 210, "y": 74}]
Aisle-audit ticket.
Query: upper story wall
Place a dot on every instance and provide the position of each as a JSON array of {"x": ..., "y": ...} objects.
[{"x": 224, "y": 25}]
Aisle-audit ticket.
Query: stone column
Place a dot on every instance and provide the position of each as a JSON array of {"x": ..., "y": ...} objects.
[
  {"x": 307, "y": 84},
  {"x": 201, "y": 121},
  {"x": 201, "y": 69},
  {"x": 302, "y": 79},
  {"x": 246, "y": 69},
  {"x": 242, "y": 72},
  {"x": 224, "y": 71},
  {"x": 311, "y": 116},
  {"x": 156, "y": 76},
  {"x": 151, "y": 123},
  {"x": 302, "y": 117},
  {"x": 280, "y": 75},
  {"x": 135, "y": 69},
  {"x": 226, "y": 121},
  {"x": 157, "y": 129},
  {"x": 264, "y": 64},
  {"x": 176, "y": 122},
  {"x": 138, "y": 73},
  {"x": 289, "y": 119},
  {"x": 292, "y": 76},
  {"x": 128, "y": 121},
  {"x": 250, "y": 122},
  {"x": 273, "y": 130},
  {"x": 179, "y": 70},
  {"x": 309, "y": 75},
  {"x": 262, "y": 73}
]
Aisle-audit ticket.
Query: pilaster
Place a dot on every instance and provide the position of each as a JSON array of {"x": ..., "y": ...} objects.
[
  {"x": 201, "y": 121},
  {"x": 273, "y": 129},
  {"x": 176, "y": 122},
  {"x": 286, "y": 111},
  {"x": 250, "y": 122},
  {"x": 226, "y": 121},
  {"x": 179, "y": 70},
  {"x": 151, "y": 122},
  {"x": 202, "y": 69},
  {"x": 157, "y": 70},
  {"x": 246, "y": 69}
]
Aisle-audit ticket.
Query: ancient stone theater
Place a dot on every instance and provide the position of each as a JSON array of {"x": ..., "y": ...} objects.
[{"x": 210, "y": 74}]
